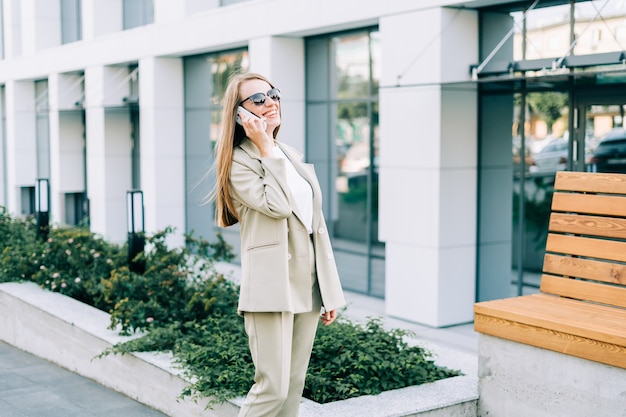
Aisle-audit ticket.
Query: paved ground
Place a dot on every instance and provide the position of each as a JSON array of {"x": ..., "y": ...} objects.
[{"x": 34, "y": 387}]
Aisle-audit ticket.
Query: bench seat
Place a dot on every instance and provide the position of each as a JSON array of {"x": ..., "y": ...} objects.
[{"x": 589, "y": 331}]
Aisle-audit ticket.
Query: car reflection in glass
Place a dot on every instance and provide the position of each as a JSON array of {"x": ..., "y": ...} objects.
[
  {"x": 610, "y": 155},
  {"x": 550, "y": 159}
]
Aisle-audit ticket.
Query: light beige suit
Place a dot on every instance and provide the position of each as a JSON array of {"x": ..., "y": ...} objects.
[
  {"x": 274, "y": 241},
  {"x": 287, "y": 275}
]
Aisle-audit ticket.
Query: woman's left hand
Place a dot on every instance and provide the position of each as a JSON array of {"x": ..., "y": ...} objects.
[{"x": 328, "y": 317}]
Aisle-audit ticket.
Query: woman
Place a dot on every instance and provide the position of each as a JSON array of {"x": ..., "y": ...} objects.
[{"x": 288, "y": 270}]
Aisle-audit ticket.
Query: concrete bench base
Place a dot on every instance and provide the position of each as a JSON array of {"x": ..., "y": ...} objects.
[
  {"x": 71, "y": 334},
  {"x": 518, "y": 380}
]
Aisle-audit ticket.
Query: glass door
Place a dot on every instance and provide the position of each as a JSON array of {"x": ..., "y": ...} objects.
[{"x": 600, "y": 144}]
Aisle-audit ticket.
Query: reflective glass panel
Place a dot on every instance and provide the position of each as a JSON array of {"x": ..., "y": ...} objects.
[
  {"x": 353, "y": 150},
  {"x": 375, "y": 51},
  {"x": 223, "y": 66},
  {"x": 600, "y": 26},
  {"x": 544, "y": 117},
  {"x": 547, "y": 33},
  {"x": 352, "y": 63},
  {"x": 605, "y": 140},
  {"x": 354, "y": 109}
]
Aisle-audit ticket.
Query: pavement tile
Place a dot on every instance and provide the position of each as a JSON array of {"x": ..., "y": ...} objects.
[{"x": 33, "y": 387}]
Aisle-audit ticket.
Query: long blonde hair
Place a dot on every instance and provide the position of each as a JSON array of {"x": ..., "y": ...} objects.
[{"x": 231, "y": 136}]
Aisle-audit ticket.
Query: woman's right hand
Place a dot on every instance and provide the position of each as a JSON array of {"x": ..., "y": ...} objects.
[{"x": 255, "y": 131}]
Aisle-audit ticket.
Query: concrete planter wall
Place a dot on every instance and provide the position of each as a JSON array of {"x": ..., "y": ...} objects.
[{"x": 72, "y": 334}]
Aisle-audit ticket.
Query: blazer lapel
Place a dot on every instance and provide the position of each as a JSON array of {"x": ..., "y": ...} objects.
[
  {"x": 250, "y": 148},
  {"x": 307, "y": 171}
]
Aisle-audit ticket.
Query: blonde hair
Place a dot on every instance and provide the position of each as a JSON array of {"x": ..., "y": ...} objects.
[{"x": 232, "y": 135}]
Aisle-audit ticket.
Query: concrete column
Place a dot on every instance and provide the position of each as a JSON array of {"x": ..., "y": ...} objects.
[
  {"x": 281, "y": 60},
  {"x": 12, "y": 11},
  {"x": 108, "y": 149},
  {"x": 21, "y": 142},
  {"x": 41, "y": 25},
  {"x": 428, "y": 165},
  {"x": 162, "y": 144},
  {"x": 67, "y": 159},
  {"x": 101, "y": 17}
]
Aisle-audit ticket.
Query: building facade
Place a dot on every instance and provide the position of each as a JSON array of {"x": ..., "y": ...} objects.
[{"x": 435, "y": 127}]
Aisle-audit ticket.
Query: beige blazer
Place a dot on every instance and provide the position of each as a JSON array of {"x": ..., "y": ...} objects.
[{"x": 275, "y": 266}]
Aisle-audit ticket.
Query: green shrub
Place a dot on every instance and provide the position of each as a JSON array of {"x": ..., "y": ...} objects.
[
  {"x": 350, "y": 360},
  {"x": 178, "y": 286},
  {"x": 74, "y": 261},
  {"x": 181, "y": 304},
  {"x": 19, "y": 247}
]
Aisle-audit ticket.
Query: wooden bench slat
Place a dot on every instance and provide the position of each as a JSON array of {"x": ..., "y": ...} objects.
[
  {"x": 596, "y": 183},
  {"x": 588, "y": 225},
  {"x": 606, "y": 314},
  {"x": 610, "y": 354},
  {"x": 584, "y": 268},
  {"x": 607, "y": 205},
  {"x": 584, "y": 290},
  {"x": 559, "y": 314},
  {"x": 586, "y": 246}
]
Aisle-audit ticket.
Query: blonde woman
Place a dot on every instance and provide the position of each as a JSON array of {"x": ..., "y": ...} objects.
[{"x": 289, "y": 276}]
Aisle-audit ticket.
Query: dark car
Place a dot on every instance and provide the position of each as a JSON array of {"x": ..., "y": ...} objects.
[{"x": 610, "y": 155}]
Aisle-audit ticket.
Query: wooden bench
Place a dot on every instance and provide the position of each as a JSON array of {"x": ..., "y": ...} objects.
[{"x": 581, "y": 309}]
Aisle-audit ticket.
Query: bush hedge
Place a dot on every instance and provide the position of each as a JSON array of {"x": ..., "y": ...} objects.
[{"x": 183, "y": 305}]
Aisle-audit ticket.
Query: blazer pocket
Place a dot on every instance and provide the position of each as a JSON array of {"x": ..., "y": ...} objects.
[{"x": 261, "y": 246}]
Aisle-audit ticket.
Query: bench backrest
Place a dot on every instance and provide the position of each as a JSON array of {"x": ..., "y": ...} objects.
[{"x": 586, "y": 247}]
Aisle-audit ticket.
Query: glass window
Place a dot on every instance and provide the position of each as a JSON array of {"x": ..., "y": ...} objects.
[
  {"x": 599, "y": 27},
  {"x": 547, "y": 33},
  {"x": 206, "y": 78},
  {"x": 223, "y": 66},
  {"x": 71, "y": 26},
  {"x": 350, "y": 159},
  {"x": 544, "y": 116},
  {"x": 138, "y": 13}
]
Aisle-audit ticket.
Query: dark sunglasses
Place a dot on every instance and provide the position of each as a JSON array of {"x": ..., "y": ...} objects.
[{"x": 259, "y": 98}]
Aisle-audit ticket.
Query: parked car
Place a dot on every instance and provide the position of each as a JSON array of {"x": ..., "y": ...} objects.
[
  {"x": 610, "y": 155},
  {"x": 550, "y": 159}
]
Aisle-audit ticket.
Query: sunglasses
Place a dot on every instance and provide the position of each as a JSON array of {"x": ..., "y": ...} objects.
[{"x": 259, "y": 98}]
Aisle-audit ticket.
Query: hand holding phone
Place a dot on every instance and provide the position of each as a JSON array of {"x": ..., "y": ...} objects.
[{"x": 247, "y": 113}]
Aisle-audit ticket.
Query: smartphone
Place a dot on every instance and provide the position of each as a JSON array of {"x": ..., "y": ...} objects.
[{"x": 248, "y": 112}]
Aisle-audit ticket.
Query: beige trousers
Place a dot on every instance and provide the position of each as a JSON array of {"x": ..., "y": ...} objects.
[{"x": 280, "y": 345}]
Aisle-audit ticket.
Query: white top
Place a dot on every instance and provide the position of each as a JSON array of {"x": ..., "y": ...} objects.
[{"x": 300, "y": 189}]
